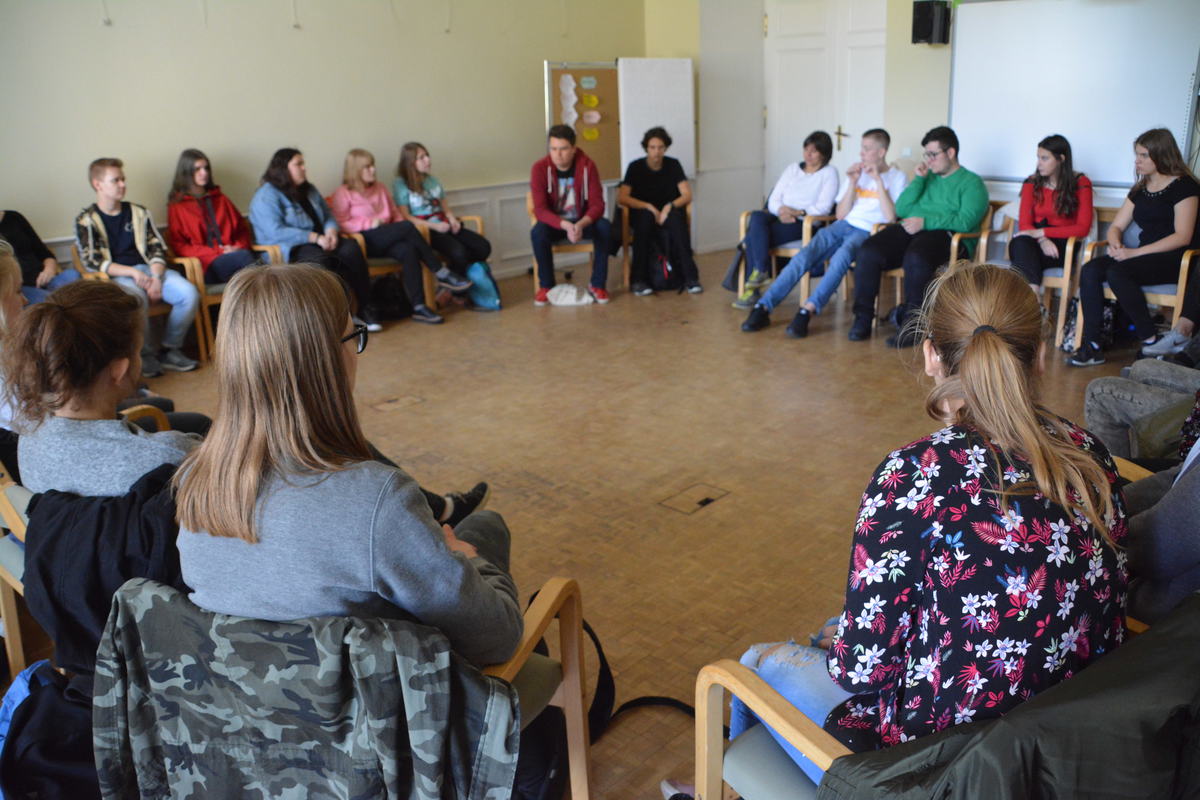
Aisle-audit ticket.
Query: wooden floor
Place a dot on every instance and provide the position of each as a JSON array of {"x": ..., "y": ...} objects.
[{"x": 587, "y": 421}]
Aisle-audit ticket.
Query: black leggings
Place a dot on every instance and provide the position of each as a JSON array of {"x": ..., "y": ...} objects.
[
  {"x": 461, "y": 249},
  {"x": 1126, "y": 279},
  {"x": 402, "y": 242},
  {"x": 1025, "y": 253},
  {"x": 921, "y": 255},
  {"x": 345, "y": 260}
]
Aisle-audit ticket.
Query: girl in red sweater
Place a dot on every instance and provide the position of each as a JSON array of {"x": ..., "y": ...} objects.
[
  {"x": 203, "y": 223},
  {"x": 1056, "y": 204}
]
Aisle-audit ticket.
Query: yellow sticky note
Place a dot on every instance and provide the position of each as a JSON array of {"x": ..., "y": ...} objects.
[
  {"x": 590, "y": 100},
  {"x": 591, "y": 134}
]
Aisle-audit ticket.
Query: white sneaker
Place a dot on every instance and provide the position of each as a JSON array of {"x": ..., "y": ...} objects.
[
  {"x": 1172, "y": 342},
  {"x": 671, "y": 789}
]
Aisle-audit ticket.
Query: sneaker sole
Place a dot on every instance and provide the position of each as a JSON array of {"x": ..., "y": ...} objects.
[
  {"x": 793, "y": 334},
  {"x": 455, "y": 289},
  {"x": 173, "y": 368},
  {"x": 1071, "y": 362},
  {"x": 428, "y": 321},
  {"x": 540, "y": 303}
]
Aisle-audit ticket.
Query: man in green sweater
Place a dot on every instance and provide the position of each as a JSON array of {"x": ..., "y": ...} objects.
[{"x": 944, "y": 198}]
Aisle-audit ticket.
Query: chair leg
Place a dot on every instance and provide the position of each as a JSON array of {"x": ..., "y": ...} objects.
[
  {"x": 210, "y": 328},
  {"x": 14, "y": 644},
  {"x": 429, "y": 283},
  {"x": 570, "y": 623}
]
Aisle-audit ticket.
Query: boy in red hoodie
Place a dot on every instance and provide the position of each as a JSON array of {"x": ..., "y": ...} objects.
[{"x": 568, "y": 201}]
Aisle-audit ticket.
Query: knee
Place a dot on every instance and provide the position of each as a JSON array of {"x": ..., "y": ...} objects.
[
  {"x": 601, "y": 228},
  {"x": 540, "y": 233},
  {"x": 759, "y": 219}
]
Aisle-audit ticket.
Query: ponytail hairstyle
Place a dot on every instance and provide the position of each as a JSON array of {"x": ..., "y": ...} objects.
[
  {"x": 986, "y": 326},
  {"x": 56, "y": 350},
  {"x": 1164, "y": 152},
  {"x": 407, "y": 170},
  {"x": 1066, "y": 198},
  {"x": 284, "y": 399}
]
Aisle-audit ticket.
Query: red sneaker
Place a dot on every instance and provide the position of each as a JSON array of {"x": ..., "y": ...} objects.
[
  {"x": 542, "y": 297},
  {"x": 598, "y": 294}
]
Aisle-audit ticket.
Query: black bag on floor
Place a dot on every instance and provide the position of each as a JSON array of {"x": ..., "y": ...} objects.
[{"x": 389, "y": 298}]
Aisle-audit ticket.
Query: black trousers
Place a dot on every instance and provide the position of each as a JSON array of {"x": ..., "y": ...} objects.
[
  {"x": 402, "y": 242},
  {"x": 920, "y": 255},
  {"x": 461, "y": 249},
  {"x": 1126, "y": 279},
  {"x": 345, "y": 260},
  {"x": 1027, "y": 257},
  {"x": 674, "y": 241}
]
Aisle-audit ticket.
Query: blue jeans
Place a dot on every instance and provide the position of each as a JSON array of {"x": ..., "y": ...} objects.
[
  {"x": 36, "y": 294},
  {"x": 544, "y": 237},
  {"x": 179, "y": 293},
  {"x": 837, "y": 242},
  {"x": 797, "y": 672},
  {"x": 764, "y": 230}
]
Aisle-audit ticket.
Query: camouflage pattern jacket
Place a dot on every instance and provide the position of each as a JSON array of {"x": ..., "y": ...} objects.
[{"x": 190, "y": 704}]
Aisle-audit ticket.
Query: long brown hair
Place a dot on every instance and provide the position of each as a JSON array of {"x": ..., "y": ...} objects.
[
  {"x": 407, "y": 170},
  {"x": 10, "y": 278},
  {"x": 284, "y": 400},
  {"x": 1066, "y": 180},
  {"x": 55, "y": 350},
  {"x": 185, "y": 169},
  {"x": 986, "y": 326},
  {"x": 1164, "y": 152}
]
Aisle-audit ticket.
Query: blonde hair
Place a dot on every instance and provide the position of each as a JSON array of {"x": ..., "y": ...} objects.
[
  {"x": 986, "y": 326},
  {"x": 356, "y": 161},
  {"x": 10, "y": 277},
  {"x": 284, "y": 401}
]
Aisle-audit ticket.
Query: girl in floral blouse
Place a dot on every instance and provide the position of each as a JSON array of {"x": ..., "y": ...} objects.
[{"x": 985, "y": 565}]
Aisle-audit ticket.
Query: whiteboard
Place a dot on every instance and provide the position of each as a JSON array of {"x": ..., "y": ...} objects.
[
  {"x": 1099, "y": 72},
  {"x": 657, "y": 91}
]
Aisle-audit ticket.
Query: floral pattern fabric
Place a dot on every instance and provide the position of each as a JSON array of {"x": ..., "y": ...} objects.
[
  {"x": 1190, "y": 430},
  {"x": 961, "y": 606}
]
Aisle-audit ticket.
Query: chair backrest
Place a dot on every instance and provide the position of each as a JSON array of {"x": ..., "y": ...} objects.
[
  {"x": 367, "y": 702},
  {"x": 14, "y": 502},
  {"x": 529, "y": 207}
]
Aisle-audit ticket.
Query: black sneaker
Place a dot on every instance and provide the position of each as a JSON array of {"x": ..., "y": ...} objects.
[
  {"x": 860, "y": 329},
  {"x": 798, "y": 329},
  {"x": 695, "y": 288},
  {"x": 467, "y": 503},
  {"x": 371, "y": 318},
  {"x": 641, "y": 289},
  {"x": 423, "y": 313},
  {"x": 905, "y": 337},
  {"x": 455, "y": 283},
  {"x": 1086, "y": 356},
  {"x": 759, "y": 318}
]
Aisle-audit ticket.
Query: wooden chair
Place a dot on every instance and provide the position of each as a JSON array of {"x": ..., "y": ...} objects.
[
  {"x": 754, "y": 766},
  {"x": 785, "y": 250},
  {"x": 24, "y": 640},
  {"x": 627, "y": 241},
  {"x": 1160, "y": 294},
  {"x": 541, "y": 681},
  {"x": 562, "y": 247},
  {"x": 134, "y": 413},
  {"x": 1063, "y": 280},
  {"x": 190, "y": 267},
  {"x": 211, "y": 294}
]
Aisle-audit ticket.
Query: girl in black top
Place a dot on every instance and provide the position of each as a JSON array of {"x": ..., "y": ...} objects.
[
  {"x": 1163, "y": 203},
  {"x": 40, "y": 272},
  {"x": 657, "y": 194}
]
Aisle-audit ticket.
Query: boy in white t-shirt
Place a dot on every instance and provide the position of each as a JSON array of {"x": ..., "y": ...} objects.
[{"x": 868, "y": 196}]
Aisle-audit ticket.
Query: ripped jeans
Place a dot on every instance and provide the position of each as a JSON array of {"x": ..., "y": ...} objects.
[{"x": 799, "y": 673}]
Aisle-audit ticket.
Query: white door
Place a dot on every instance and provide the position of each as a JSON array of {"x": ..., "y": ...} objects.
[{"x": 823, "y": 70}]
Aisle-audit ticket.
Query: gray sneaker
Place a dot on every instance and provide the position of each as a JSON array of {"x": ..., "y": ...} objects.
[
  {"x": 1172, "y": 342},
  {"x": 150, "y": 367},
  {"x": 747, "y": 298},
  {"x": 174, "y": 360}
]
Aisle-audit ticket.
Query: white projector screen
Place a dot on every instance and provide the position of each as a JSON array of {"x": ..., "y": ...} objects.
[{"x": 1099, "y": 72}]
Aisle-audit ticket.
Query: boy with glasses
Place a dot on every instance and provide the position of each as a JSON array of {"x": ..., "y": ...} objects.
[{"x": 944, "y": 198}]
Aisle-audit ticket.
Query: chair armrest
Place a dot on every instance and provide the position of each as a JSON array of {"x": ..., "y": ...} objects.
[
  {"x": 1089, "y": 250},
  {"x": 810, "y": 220},
  {"x": 557, "y": 597},
  {"x": 776, "y": 712},
  {"x": 878, "y": 226},
  {"x": 1135, "y": 626},
  {"x": 476, "y": 220},
  {"x": 358, "y": 240},
  {"x": 94, "y": 276},
  {"x": 743, "y": 223},
  {"x": 1184, "y": 270},
  {"x": 153, "y": 412},
  {"x": 191, "y": 270},
  {"x": 274, "y": 252},
  {"x": 1129, "y": 470}
]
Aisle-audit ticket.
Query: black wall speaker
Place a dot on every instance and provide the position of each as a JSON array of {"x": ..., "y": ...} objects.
[{"x": 931, "y": 22}]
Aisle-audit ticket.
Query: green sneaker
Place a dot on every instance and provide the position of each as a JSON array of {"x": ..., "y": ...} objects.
[
  {"x": 747, "y": 299},
  {"x": 757, "y": 278}
]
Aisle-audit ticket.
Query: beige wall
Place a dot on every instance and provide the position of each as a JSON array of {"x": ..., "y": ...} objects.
[
  {"x": 365, "y": 73},
  {"x": 916, "y": 85},
  {"x": 673, "y": 29}
]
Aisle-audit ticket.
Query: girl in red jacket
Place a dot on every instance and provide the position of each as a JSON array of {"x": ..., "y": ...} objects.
[
  {"x": 1056, "y": 204},
  {"x": 203, "y": 223}
]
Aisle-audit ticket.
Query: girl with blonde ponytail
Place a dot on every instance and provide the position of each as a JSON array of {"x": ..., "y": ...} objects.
[{"x": 985, "y": 565}]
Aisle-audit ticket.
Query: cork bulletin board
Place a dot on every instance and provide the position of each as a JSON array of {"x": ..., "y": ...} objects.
[{"x": 584, "y": 96}]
